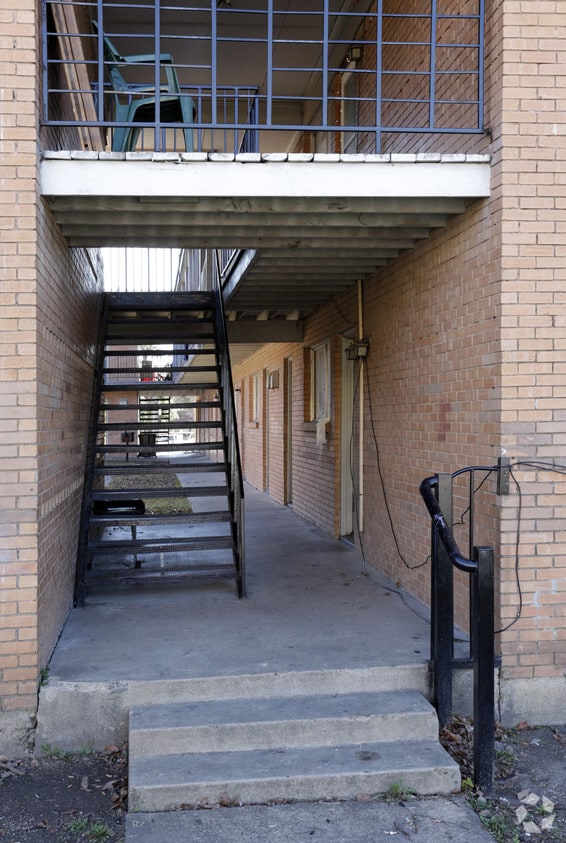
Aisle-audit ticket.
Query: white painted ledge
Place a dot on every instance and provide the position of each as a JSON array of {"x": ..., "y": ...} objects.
[{"x": 166, "y": 174}]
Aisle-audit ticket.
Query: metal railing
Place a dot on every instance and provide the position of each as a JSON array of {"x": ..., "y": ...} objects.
[
  {"x": 340, "y": 75},
  {"x": 230, "y": 426},
  {"x": 437, "y": 493}
]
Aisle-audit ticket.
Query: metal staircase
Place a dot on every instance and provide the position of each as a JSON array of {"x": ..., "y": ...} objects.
[{"x": 163, "y": 498}]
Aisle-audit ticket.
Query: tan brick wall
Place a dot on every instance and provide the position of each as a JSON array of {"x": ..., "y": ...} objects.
[
  {"x": 432, "y": 372},
  {"x": 533, "y": 280},
  {"x": 467, "y": 351},
  {"x": 46, "y": 340}
]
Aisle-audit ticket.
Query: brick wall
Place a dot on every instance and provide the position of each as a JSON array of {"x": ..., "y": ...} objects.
[
  {"x": 467, "y": 344},
  {"x": 46, "y": 340},
  {"x": 533, "y": 303}
]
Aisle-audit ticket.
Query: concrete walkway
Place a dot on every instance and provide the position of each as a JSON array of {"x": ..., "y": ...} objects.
[{"x": 310, "y": 605}]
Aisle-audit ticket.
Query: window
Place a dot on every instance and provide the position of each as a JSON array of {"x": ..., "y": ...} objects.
[
  {"x": 320, "y": 381},
  {"x": 254, "y": 398}
]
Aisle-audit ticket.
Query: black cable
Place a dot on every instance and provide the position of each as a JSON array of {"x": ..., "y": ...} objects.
[
  {"x": 383, "y": 489},
  {"x": 519, "y": 611},
  {"x": 489, "y": 472},
  {"x": 340, "y": 312},
  {"x": 558, "y": 468},
  {"x": 364, "y": 570}
]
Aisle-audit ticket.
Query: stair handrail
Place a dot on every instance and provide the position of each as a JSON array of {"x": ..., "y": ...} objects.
[
  {"x": 436, "y": 492},
  {"x": 235, "y": 474}
]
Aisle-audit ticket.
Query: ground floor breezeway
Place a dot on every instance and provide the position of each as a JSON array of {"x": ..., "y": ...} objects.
[{"x": 312, "y": 606}]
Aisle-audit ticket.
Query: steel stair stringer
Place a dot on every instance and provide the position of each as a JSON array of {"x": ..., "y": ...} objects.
[{"x": 163, "y": 499}]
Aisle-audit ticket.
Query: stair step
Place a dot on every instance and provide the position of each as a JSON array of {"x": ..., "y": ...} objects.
[
  {"x": 160, "y": 425},
  {"x": 161, "y": 545},
  {"x": 157, "y": 466},
  {"x": 121, "y": 520},
  {"x": 177, "y": 405},
  {"x": 196, "y": 300},
  {"x": 135, "y": 351},
  {"x": 133, "y": 449},
  {"x": 168, "y": 782},
  {"x": 160, "y": 386},
  {"x": 173, "y": 492},
  {"x": 143, "y": 335},
  {"x": 155, "y": 576},
  {"x": 267, "y": 723},
  {"x": 128, "y": 332},
  {"x": 138, "y": 371}
]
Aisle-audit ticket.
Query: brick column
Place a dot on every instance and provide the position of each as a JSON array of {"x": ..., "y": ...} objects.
[{"x": 18, "y": 386}]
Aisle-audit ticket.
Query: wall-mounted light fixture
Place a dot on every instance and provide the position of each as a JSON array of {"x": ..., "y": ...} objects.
[{"x": 355, "y": 53}]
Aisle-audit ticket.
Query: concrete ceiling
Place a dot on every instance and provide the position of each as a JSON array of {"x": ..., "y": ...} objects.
[{"x": 311, "y": 226}]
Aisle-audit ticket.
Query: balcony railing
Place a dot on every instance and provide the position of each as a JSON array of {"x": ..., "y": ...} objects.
[{"x": 249, "y": 75}]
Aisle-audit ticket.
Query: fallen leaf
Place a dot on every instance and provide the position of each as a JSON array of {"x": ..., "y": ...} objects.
[
  {"x": 547, "y": 805},
  {"x": 521, "y": 814},
  {"x": 531, "y": 799},
  {"x": 84, "y": 784},
  {"x": 531, "y": 828}
]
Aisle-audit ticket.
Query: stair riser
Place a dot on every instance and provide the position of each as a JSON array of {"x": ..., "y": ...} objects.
[
  {"x": 294, "y": 788},
  {"x": 294, "y": 733},
  {"x": 294, "y": 683}
]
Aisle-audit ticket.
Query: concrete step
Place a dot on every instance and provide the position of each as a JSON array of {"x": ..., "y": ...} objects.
[
  {"x": 268, "y": 723},
  {"x": 259, "y": 776},
  {"x": 296, "y": 747},
  {"x": 73, "y": 713}
]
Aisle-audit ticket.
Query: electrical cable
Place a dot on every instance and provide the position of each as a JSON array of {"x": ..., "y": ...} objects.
[
  {"x": 364, "y": 570},
  {"x": 489, "y": 472},
  {"x": 340, "y": 312},
  {"x": 383, "y": 489},
  {"x": 519, "y": 611}
]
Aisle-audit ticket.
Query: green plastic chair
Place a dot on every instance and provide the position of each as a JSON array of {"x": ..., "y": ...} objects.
[{"x": 134, "y": 103}]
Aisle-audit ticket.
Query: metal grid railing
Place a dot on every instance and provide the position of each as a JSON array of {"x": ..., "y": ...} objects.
[{"x": 310, "y": 75}]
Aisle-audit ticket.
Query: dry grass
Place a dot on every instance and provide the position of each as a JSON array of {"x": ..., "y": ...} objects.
[{"x": 162, "y": 480}]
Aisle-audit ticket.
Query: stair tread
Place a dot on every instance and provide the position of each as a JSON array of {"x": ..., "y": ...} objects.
[
  {"x": 156, "y": 466},
  {"x": 169, "y": 575},
  {"x": 160, "y": 386},
  {"x": 276, "y": 709},
  {"x": 190, "y": 771},
  {"x": 158, "y": 301},
  {"x": 161, "y": 545},
  {"x": 184, "y": 446},
  {"x": 173, "y": 492},
  {"x": 156, "y": 426},
  {"x": 174, "y": 405},
  {"x": 117, "y": 520}
]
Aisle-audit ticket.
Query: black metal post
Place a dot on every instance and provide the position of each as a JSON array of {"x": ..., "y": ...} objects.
[
  {"x": 442, "y": 614},
  {"x": 482, "y": 625}
]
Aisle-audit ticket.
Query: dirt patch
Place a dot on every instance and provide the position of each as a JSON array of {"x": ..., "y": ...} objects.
[
  {"x": 529, "y": 798},
  {"x": 64, "y": 797}
]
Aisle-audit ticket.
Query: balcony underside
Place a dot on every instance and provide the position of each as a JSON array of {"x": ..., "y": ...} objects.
[{"x": 311, "y": 226}]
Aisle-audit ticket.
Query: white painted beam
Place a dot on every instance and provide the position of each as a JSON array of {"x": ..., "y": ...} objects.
[{"x": 449, "y": 177}]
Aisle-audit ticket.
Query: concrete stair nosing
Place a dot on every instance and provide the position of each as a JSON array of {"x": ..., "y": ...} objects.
[
  {"x": 300, "y": 774},
  {"x": 232, "y": 725}
]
